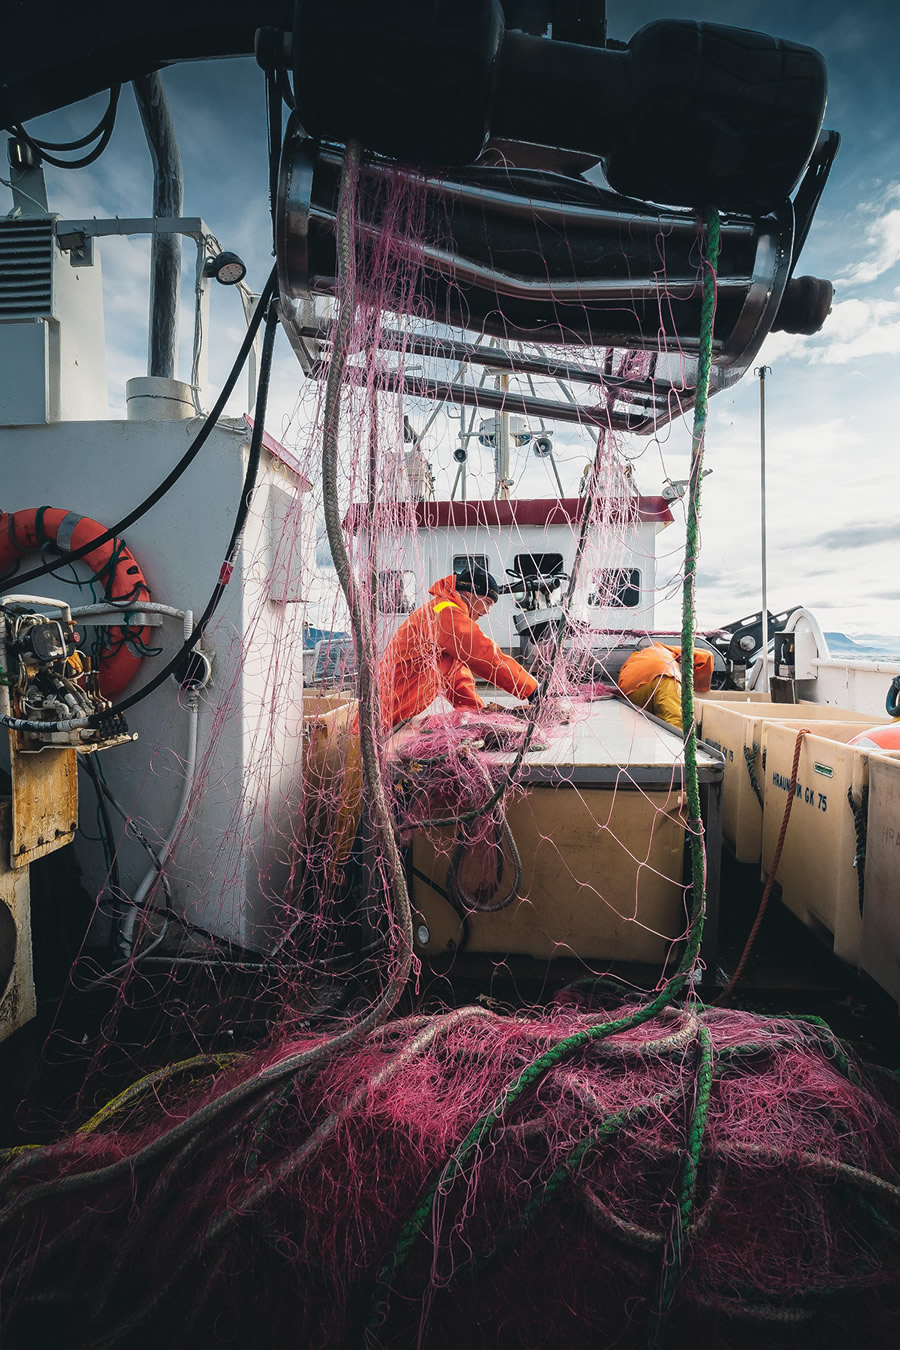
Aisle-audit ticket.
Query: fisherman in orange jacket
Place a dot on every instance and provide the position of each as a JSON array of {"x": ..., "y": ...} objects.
[
  {"x": 651, "y": 678},
  {"x": 440, "y": 650}
]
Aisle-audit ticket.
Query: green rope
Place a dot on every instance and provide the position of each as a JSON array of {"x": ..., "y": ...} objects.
[
  {"x": 465, "y": 1152},
  {"x": 537, "y": 1070},
  {"x": 750, "y": 753},
  {"x": 860, "y": 811},
  {"x": 39, "y": 530},
  {"x": 691, "y": 555},
  {"x": 709, "y": 1070},
  {"x": 608, "y": 1128},
  {"x": 828, "y": 1042},
  {"x": 688, "y": 1187}
]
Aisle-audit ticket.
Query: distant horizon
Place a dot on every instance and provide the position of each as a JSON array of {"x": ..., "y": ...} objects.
[{"x": 874, "y": 644}]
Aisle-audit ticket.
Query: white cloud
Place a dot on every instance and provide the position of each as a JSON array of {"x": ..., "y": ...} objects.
[
  {"x": 882, "y": 237},
  {"x": 830, "y": 529},
  {"x": 858, "y": 328},
  {"x": 777, "y": 346},
  {"x": 854, "y": 329}
]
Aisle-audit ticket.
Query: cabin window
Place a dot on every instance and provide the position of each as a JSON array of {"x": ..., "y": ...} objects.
[
  {"x": 615, "y": 588},
  {"x": 395, "y": 591},
  {"x": 538, "y": 564},
  {"x": 462, "y": 561}
]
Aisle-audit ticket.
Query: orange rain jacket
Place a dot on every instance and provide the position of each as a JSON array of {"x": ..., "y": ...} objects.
[
  {"x": 439, "y": 650},
  {"x": 659, "y": 660}
]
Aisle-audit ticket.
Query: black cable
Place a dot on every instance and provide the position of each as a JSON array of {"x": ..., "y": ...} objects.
[
  {"x": 183, "y": 654},
  {"x": 264, "y": 306},
  {"x": 476, "y": 902},
  {"x": 186, "y": 460},
  {"x": 89, "y": 136},
  {"x": 105, "y": 128},
  {"x": 892, "y": 702},
  {"x": 114, "y": 885},
  {"x": 463, "y": 941},
  {"x": 284, "y": 88},
  {"x": 432, "y": 884},
  {"x": 253, "y": 460},
  {"x": 165, "y": 911},
  {"x": 137, "y": 833}
]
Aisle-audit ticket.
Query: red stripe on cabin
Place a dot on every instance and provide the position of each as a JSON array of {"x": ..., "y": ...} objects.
[{"x": 537, "y": 511}]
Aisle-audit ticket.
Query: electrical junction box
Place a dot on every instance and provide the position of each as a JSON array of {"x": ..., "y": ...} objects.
[{"x": 51, "y": 327}]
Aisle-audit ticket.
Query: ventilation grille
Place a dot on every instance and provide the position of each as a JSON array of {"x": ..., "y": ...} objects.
[{"x": 26, "y": 262}]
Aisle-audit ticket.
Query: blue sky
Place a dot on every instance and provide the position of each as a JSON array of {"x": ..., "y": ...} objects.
[{"x": 833, "y": 400}]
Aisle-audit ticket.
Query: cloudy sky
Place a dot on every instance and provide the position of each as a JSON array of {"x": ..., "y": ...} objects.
[{"x": 833, "y": 400}]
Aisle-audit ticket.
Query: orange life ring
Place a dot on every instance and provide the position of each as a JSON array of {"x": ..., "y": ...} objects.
[
  {"x": 113, "y": 565},
  {"x": 884, "y": 737}
]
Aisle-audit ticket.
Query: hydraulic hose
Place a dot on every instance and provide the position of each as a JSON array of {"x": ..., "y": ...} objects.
[
  {"x": 892, "y": 702},
  {"x": 253, "y": 461},
  {"x": 172, "y": 667},
  {"x": 187, "y": 458},
  {"x": 103, "y": 130},
  {"x": 476, "y": 903}
]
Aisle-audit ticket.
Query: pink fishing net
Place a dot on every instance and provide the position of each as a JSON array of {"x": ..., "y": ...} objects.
[
  {"x": 311, "y": 1154},
  {"x": 282, "y": 1203}
]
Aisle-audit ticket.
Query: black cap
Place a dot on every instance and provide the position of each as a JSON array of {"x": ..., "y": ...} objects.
[{"x": 476, "y": 580}]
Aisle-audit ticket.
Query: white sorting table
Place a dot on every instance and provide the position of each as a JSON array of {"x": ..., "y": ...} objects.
[
  {"x": 610, "y": 740},
  {"x": 612, "y": 743}
]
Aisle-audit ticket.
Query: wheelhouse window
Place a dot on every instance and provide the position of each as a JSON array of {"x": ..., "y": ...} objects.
[
  {"x": 395, "y": 591},
  {"x": 538, "y": 564},
  {"x": 463, "y": 560},
  {"x": 615, "y": 588}
]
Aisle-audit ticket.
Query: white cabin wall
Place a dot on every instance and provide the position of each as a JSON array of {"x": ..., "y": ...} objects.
[
  {"x": 429, "y": 554},
  {"x": 102, "y": 471}
]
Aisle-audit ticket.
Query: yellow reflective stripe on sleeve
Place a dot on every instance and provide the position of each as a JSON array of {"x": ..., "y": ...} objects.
[{"x": 446, "y": 604}]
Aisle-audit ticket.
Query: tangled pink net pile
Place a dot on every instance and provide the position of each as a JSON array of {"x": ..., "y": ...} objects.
[{"x": 293, "y": 1214}]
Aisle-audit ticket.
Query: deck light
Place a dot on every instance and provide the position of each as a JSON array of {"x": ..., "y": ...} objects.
[
  {"x": 227, "y": 268},
  {"x": 21, "y": 154}
]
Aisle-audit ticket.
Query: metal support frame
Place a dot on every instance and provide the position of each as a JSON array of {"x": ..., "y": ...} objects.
[
  {"x": 501, "y": 448},
  {"x": 762, "y": 372},
  {"x": 192, "y": 226},
  {"x": 499, "y": 358},
  {"x": 494, "y": 400},
  {"x": 652, "y": 399},
  {"x": 72, "y": 235}
]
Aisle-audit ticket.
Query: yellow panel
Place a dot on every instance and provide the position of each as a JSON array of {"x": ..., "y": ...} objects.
[
  {"x": 317, "y": 702},
  {"x": 818, "y": 879},
  {"x": 45, "y": 800}
]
